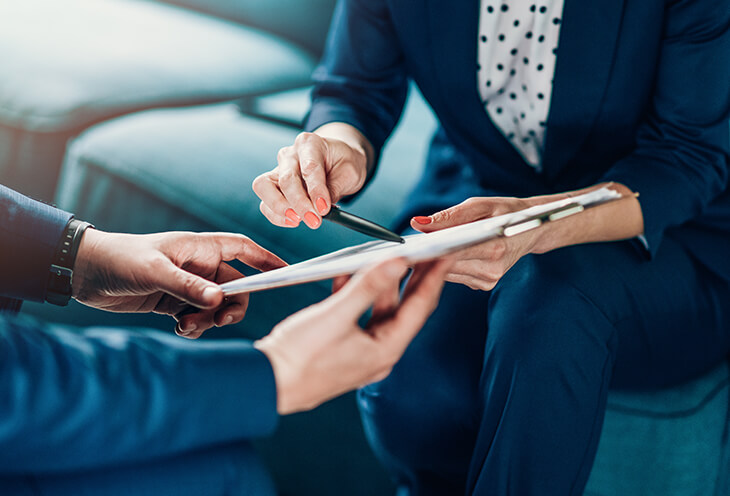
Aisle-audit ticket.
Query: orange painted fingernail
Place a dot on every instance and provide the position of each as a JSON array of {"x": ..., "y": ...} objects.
[
  {"x": 311, "y": 220},
  {"x": 290, "y": 223},
  {"x": 322, "y": 205},
  {"x": 422, "y": 220},
  {"x": 292, "y": 215}
]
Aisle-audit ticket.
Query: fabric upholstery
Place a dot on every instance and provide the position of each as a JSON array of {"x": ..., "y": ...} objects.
[
  {"x": 76, "y": 61},
  {"x": 304, "y": 22},
  {"x": 671, "y": 442},
  {"x": 69, "y": 64}
]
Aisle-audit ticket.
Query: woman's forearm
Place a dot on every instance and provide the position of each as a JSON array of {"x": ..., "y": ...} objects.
[{"x": 621, "y": 219}]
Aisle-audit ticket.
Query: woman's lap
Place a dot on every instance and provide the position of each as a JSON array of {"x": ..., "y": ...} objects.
[{"x": 656, "y": 322}]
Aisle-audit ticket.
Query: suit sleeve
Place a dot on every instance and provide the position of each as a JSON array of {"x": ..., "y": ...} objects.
[
  {"x": 362, "y": 79},
  {"x": 81, "y": 399},
  {"x": 29, "y": 234},
  {"x": 681, "y": 160}
]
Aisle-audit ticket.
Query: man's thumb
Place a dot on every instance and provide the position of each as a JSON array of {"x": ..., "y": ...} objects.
[{"x": 190, "y": 288}]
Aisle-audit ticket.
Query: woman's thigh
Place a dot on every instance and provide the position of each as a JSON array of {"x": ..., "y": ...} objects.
[
  {"x": 423, "y": 416},
  {"x": 669, "y": 316}
]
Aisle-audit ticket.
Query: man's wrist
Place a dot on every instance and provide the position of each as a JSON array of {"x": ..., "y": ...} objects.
[
  {"x": 60, "y": 278},
  {"x": 84, "y": 262},
  {"x": 282, "y": 376}
]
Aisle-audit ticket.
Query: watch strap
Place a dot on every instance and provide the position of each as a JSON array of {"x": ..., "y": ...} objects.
[{"x": 60, "y": 279}]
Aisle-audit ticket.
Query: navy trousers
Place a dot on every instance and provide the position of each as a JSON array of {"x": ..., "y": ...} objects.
[
  {"x": 504, "y": 393},
  {"x": 232, "y": 470}
]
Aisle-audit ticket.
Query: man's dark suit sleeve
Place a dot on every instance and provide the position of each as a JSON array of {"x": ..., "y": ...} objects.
[
  {"x": 681, "y": 160},
  {"x": 79, "y": 399},
  {"x": 29, "y": 234}
]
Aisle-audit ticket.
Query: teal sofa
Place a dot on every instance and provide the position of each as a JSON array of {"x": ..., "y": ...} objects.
[{"x": 169, "y": 130}]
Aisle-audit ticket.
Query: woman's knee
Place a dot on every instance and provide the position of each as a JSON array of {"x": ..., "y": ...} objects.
[
  {"x": 429, "y": 399},
  {"x": 538, "y": 312}
]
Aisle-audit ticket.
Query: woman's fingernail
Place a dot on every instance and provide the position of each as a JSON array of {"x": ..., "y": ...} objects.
[
  {"x": 292, "y": 216},
  {"x": 290, "y": 223},
  {"x": 322, "y": 205},
  {"x": 228, "y": 320},
  {"x": 188, "y": 328},
  {"x": 311, "y": 220},
  {"x": 422, "y": 220}
]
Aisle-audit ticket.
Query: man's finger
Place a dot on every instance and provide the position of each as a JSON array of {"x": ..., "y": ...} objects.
[
  {"x": 234, "y": 307},
  {"x": 242, "y": 248},
  {"x": 419, "y": 300},
  {"x": 190, "y": 288}
]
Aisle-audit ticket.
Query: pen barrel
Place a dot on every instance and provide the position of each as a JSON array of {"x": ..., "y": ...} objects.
[{"x": 362, "y": 226}]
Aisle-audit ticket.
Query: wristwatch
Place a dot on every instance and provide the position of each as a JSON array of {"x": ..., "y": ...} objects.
[{"x": 59, "y": 289}]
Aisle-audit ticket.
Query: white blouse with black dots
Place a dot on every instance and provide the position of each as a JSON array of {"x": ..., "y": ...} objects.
[{"x": 518, "y": 42}]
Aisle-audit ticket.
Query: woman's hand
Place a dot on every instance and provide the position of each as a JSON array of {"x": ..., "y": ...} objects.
[
  {"x": 169, "y": 273},
  {"x": 322, "y": 352},
  {"x": 312, "y": 174},
  {"x": 482, "y": 266}
]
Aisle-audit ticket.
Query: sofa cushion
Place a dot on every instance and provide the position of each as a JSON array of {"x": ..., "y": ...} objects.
[
  {"x": 66, "y": 64},
  {"x": 671, "y": 442},
  {"x": 303, "y": 21}
]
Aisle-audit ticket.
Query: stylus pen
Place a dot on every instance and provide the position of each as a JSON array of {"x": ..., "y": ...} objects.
[{"x": 361, "y": 225}]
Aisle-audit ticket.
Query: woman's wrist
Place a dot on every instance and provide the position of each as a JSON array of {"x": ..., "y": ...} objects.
[
  {"x": 353, "y": 138},
  {"x": 614, "y": 221}
]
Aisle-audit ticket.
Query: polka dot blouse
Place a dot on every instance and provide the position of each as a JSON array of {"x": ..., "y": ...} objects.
[{"x": 518, "y": 42}]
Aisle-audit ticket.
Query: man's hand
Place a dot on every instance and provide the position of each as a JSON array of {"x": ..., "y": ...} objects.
[
  {"x": 168, "y": 273},
  {"x": 321, "y": 352}
]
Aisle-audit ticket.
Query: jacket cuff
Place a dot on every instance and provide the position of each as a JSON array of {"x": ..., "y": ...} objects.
[
  {"x": 666, "y": 196},
  {"x": 29, "y": 235}
]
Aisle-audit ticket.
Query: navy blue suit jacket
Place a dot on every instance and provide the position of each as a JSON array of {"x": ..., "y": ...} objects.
[
  {"x": 81, "y": 399},
  {"x": 641, "y": 96}
]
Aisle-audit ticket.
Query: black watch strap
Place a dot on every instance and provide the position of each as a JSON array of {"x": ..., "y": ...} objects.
[{"x": 59, "y": 289}]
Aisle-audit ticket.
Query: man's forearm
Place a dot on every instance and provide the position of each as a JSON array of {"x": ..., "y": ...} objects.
[
  {"x": 75, "y": 400},
  {"x": 29, "y": 234}
]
